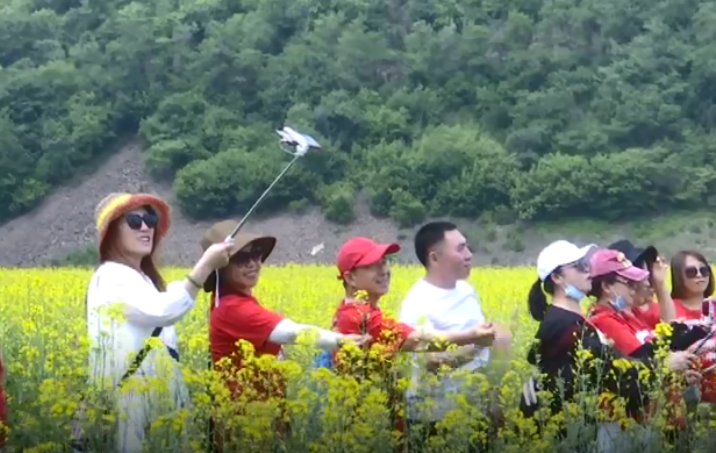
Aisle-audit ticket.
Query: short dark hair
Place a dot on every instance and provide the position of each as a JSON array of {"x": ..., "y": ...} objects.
[
  {"x": 678, "y": 263},
  {"x": 428, "y": 236}
]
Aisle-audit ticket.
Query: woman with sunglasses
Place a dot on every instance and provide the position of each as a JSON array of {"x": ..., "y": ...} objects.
[
  {"x": 564, "y": 273},
  {"x": 129, "y": 229},
  {"x": 692, "y": 286},
  {"x": 236, "y": 314}
]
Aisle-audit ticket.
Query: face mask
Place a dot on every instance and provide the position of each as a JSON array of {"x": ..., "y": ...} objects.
[
  {"x": 620, "y": 304},
  {"x": 573, "y": 292}
]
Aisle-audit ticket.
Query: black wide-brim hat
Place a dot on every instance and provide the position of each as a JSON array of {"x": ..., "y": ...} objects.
[{"x": 637, "y": 255}]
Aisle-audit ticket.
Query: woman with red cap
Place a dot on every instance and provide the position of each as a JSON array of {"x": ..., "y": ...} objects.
[{"x": 130, "y": 227}]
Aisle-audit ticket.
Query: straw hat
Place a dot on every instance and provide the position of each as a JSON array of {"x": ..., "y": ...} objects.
[
  {"x": 115, "y": 205},
  {"x": 218, "y": 233}
]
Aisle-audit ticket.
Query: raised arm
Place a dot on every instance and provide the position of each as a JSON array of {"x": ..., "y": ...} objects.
[
  {"x": 148, "y": 308},
  {"x": 667, "y": 310}
]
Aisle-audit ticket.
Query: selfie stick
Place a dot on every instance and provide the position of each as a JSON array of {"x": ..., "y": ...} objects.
[{"x": 301, "y": 143}]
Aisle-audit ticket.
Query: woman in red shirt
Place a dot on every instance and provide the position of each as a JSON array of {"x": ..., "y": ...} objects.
[
  {"x": 236, "y": 314},
  {"x": 691, "y": 283}
]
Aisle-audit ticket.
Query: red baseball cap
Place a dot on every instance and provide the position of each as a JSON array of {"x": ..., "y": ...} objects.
[
  {"x": 606, "y": 261},
  {"x": 361, "y": 251}
]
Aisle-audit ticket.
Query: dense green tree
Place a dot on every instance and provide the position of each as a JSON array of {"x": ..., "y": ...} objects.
[{"x": 519, "y": 109}]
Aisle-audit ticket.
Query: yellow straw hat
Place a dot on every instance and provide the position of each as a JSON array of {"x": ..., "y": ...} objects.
[{"x": 115, "y": 205}]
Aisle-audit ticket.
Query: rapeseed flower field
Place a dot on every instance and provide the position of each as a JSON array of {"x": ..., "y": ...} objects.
[{"x": 44, "y": 347}]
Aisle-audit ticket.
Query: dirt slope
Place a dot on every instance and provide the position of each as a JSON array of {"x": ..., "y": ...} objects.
[{"x": 64, "y": 222}]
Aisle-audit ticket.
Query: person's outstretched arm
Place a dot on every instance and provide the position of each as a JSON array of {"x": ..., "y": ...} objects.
[
  {"x": 435, "y": 340},
  {"x": 286, "y": 332}
]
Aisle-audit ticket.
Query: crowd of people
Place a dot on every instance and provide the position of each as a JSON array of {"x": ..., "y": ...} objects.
[{"x": 628, "y": 286}]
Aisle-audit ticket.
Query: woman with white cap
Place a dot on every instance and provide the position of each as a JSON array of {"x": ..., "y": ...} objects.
[{"x": 129, "y": 228}]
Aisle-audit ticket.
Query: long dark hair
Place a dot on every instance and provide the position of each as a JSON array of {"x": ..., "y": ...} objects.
[
  {"x": 537, "y": 299},
  {"x": 147, "y": 265}
]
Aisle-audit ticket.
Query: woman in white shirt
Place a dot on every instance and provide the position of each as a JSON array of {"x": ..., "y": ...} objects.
[{"x": 128, "y": 302}]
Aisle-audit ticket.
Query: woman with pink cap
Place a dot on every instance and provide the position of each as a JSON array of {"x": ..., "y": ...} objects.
[{"x": 615, "y": 284}]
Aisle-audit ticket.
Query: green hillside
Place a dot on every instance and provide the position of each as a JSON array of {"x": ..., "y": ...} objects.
[{"x": 511, "y": 109}]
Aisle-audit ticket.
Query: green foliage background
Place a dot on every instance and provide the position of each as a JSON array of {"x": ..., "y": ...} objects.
[{"x": 526, "y": 109}]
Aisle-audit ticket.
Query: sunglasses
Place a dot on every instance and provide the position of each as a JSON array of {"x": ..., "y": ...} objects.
[
  {"x": 629, "y": 284},
  {"x": 135, "y": 220},
  {"x": 243, "y": 257},
  {"x": 581, "y": 265},
  {"x": 693, "y": 271}
]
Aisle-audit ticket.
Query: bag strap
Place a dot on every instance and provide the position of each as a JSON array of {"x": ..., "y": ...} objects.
[{"x": 140, "y": 357}]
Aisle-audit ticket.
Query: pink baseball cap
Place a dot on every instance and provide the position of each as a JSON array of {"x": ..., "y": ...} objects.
[
  {"x": 606, "y": 261},
  {"x": 360, "y": 251}
]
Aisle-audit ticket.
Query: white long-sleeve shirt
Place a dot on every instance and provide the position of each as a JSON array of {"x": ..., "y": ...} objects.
[{"x": 115, "y": 338}]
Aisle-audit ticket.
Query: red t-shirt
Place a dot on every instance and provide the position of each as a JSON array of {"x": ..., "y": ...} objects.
[
  {"x": 652, "y": 315},
  {"x": 241, "y": 317},
  {"x": 626, "y": 330},
  {"x": 364, "y": 318},
  {"x": 3, "y": 406}
]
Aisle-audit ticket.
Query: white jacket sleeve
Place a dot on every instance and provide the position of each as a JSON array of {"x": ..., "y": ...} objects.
[
  {"x": 286, "y": 332},
  {"x": 142, "y": 303},
  {"x": 163, "y": 309}
]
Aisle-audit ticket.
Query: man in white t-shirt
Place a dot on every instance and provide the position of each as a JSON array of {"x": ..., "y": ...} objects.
[{"x": 443, "y": 300}]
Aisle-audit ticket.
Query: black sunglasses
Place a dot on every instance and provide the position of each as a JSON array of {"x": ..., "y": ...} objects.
[
  {"x": 693, "y": 271},
  {"x": 242, "y": 257},
  {"x": 628, "y": 283},
  {"x": 135, "y": 220}
]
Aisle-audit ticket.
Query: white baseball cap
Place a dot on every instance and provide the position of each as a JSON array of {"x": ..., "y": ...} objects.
[{"x": 558, "y": 254}]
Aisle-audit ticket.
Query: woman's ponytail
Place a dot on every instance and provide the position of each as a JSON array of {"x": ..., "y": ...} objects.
[{"x": 537, "y": 301}]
